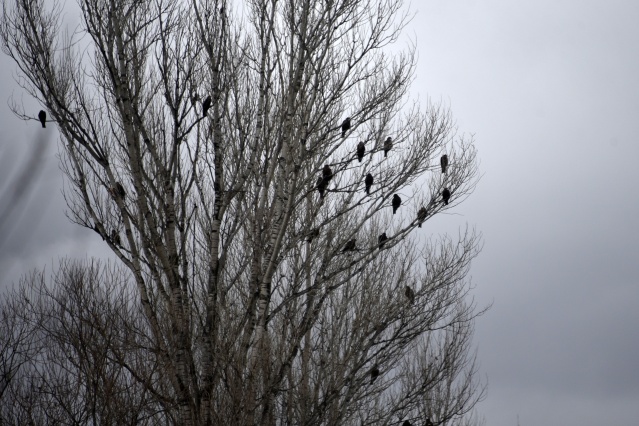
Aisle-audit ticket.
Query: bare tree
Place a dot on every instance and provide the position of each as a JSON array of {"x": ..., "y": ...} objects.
[{"x": 215, "y": 150}]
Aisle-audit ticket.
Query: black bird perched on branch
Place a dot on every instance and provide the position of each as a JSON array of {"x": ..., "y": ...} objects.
[
  {"x": 327, "y": 173},
  {"x": 407, "y": 423},
  {"x": 368, "y": 182},
  {"x": 42, "y": 116},
  {"x": 115, "y": 238},
  {"x": 321, "y": 186},
  {"x": 388, "y": 145},
  {"x": 119, "y": 190},
  {"x": 313, "y": 234},
  {"x": 421, "y": 216},
  {"x": 361, "y": 149},
  {"x": 381, "y": 240},
  {"x": 346, "y": 125},
  {"x": 374, "y": 373},
  {"x": 446, "y": 195},
  {"x": 444, "y": 162},
  {"x": 206, "y": 105},
  {"x": 410, "y": 294},
  {"x": 397, "y": 201},
  {"x": 350, "y": 246}
]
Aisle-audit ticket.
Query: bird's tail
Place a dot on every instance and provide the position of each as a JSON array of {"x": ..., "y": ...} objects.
[{"x": 44, "y": 125}]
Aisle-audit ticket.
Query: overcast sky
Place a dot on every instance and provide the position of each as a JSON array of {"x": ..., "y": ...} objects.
[{"x": 550, "y": 91}]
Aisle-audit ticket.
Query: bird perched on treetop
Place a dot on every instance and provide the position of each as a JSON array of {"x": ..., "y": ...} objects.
[
  {"x": 42, "y": 116},
  {"x": 206, "y": 105},
  {"x": 444, "y": 162},
  {"x": 374, "y": 373},
  {"x": 368, "y": 182},
  {"x": 410, "y": 294},
  {"x": 397, "y": 201},
  {"x": 421, "y": 216},
  {"x": 388, "y": 145},
  {"x": 346, "y": 125},
  {"x": 361, "y": 149},
  {"x": 350, "y": 246},
  {"x": 407, "y": 423},
  {"x": 327, "y": 173},
  {"x": 381, "y": 240},
  {"x": 446, "y": 195}
]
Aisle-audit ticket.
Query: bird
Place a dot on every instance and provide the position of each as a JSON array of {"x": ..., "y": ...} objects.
[
  {"x": 397, "y": 201},
  {"x": 446, "y": 195},
  {"x": 381, "y": 240},
  {"x": 321, "y": 186},
  {"x": 374, "y": 373},
  {"x": 444, "y": 162},
  {"x": 115, "y": 237},
  {"x": 361, "y": 149},
  {"x": 42, "y": 116},
  {"x": 313, "y": 234},
  {"x": 368, "y": 182},
  {"x": 346, "y": 125},
  {"x": 120, "y": 190},
  {"x": 350, "y": 246},
  {"x": 388, "y": 145},
  {"x": 407, "y": 423},
  {"x": 421, "y": 216},
  {"x": 206, "y": 105},
  {"x": 327, "y": 173},
  {"x": 410, "y": 294}
]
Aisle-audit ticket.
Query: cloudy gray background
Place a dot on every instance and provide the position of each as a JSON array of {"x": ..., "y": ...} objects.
[{"x": 549, "y": 89}]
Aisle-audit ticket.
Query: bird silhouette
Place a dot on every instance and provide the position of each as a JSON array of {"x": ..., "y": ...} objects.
[
  {"x": 381, "y": 240},
  {"x": 206, "y": 105},
  {"x": 374, "y": 373},
  {"x": 42, "y": 116},
  {"x": 120, "y": 190},
  {"x": 421, "y": 216},
  {"x": 407, "y": 423},
  {"x": 446, "y": 195},
  {"x": 368, "y": 182},
  {"x": 350, "y": 246},
  {"x": 397, "y": 201},
  {"x": 346, "y": 125},
  {"x": 321, "y": 186},
  {"x": 327, "y": 173},
  {"x": 313, "y": 234},
  {"x": 115, "y": 237},
  {"x": 388, "y": 145},
  {"x": 444, "y": 162},
  {"x": 361, "y": 149},
  {"x": 410, "y": 294}
]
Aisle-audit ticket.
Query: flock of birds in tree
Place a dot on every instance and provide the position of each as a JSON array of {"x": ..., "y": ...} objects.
[
  {"x": 327, "y": 174},
  {"x": 322, "y": 184}
]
